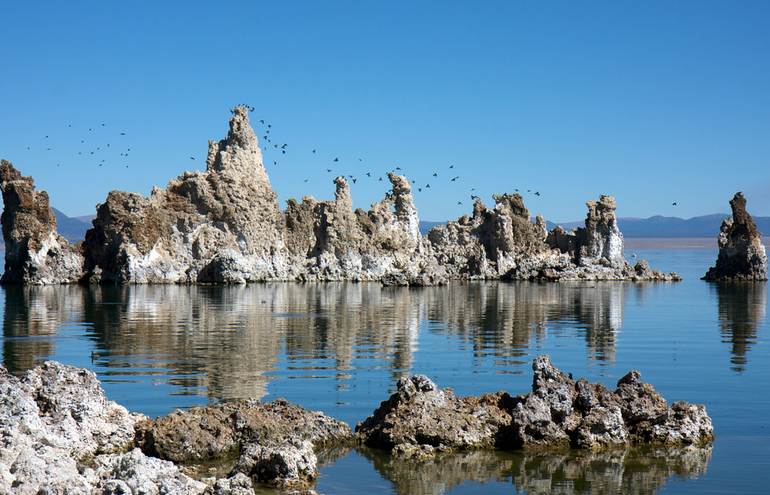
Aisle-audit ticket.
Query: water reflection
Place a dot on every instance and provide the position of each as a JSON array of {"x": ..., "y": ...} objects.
[
  {"x": 623, "y": 471},
  {"x": 742, "y": 309},
  {"x": 221, "y": 341}
]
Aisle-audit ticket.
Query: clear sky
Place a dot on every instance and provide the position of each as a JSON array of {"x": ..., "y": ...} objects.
[{"x": 653, "y": 101}]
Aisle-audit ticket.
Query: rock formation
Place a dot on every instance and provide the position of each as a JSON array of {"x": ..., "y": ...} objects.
[
  {"x": 224, "y": 225},
  {"x": 34, "y": 252},
  {"x": 59, "y": 434},
  {"x": 741, "y": 253},
  {"x": 420, "y": 419}
]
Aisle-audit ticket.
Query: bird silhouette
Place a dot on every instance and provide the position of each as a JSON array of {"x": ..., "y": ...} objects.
[
  {"x": 459, "y": 202},
  {"x": 435, "y": 174},
  {"x": 306, "y": 180},
  {"x": 451, "y": 166},
  {"x": 454, "y": 179},
  {"x": 537, "y": 193},
  {"x": 674, "y": 203},
  {"x": 192, "y": 158},
  {"x": 336, "y": 159},
  {"x": 313, "y": 151},
  {"x": 368, "y": 174},
  {"x": 122, "y": 133},
  {"x": 328, "y": 170}
]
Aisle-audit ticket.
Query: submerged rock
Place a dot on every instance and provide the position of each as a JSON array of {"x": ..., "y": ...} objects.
[
  {"x": 420, "y": 419},
  {"x": 741, "y": 253},
  {"x": 224, "y": 225},
  {"x": 35, "y": 253}
]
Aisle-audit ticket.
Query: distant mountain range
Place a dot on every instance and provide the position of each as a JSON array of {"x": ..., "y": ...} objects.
[
  {"x": 72, "y": 228},
  {"x": 657, "y": 226}
]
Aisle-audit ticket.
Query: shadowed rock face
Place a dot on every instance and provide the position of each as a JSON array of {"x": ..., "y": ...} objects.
[
  {"x": 420, "y": 420},
  {"x": 741, "y": 253},
  {"x": 224, "y": 225},
  {"x": 34, "y": 251}
]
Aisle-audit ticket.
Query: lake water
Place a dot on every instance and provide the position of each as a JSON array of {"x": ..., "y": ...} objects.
[{"x": 340, "y": 348}]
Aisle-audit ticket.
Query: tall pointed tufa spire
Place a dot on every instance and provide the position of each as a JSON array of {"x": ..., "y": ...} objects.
[{"x": 239, "y": 152}]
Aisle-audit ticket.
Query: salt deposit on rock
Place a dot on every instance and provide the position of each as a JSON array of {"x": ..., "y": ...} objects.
[
  {"x": 34, "y": 251},
  {"x": 420, "y": 419},
  {"x": 224, "y": 225}
]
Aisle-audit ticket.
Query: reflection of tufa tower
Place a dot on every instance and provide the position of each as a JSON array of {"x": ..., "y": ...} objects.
[{"x": 742, "y": 309}]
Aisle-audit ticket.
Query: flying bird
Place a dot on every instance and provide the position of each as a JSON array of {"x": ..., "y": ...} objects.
[{"x": 192, "y": 158}]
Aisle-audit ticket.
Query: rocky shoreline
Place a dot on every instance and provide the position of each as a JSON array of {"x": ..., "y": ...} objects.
[
  {"x": 224, "y": 225},
  {"x": 60, "y": 434}
]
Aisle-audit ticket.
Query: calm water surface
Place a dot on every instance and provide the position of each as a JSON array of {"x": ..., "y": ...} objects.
[{"x": 340, "y": 348}]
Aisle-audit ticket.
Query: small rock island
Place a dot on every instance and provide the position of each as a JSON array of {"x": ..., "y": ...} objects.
[
  {"x": 741, "y": 253},
  {"x": 224, "y": 225}
]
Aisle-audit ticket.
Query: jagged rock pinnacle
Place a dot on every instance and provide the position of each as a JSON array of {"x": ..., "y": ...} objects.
[{"x": 741, "y": 253}]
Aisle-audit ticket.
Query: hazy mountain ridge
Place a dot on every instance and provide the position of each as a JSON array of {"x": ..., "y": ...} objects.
[{"x": 656, "y": 226}]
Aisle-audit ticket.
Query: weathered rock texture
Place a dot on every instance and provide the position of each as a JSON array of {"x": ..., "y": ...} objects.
[
  {"x": 34, "y": 252},
  {"x": 224, "y": 225},
  {"x": 271, "y": 442},
  {"x": 741, "y": 253},
  {"x": 59, "y": 434},
  {"x": 420, "y": 419}
]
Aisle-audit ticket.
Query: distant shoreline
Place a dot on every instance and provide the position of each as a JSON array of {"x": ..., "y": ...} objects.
[{"x": 677, "y": 242}]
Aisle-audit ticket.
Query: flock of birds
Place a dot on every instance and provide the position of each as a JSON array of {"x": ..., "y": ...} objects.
[
  {"x": 90, "y": 147},
  {"x": 94, "y": 145}
]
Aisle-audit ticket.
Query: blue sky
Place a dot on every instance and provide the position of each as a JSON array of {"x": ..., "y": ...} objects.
[{"x": 652, "y": 101}]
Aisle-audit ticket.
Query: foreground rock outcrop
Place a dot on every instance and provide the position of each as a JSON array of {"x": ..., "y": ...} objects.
[
  {"x": 224, "y": 225},
  {"x": 59, "y": 434},
  {"x": 34, "y": 251},
  {"x": 741, "y": 253},
  {"x": 271, "y": 442},
  {"x": 420, "y": 419}
]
